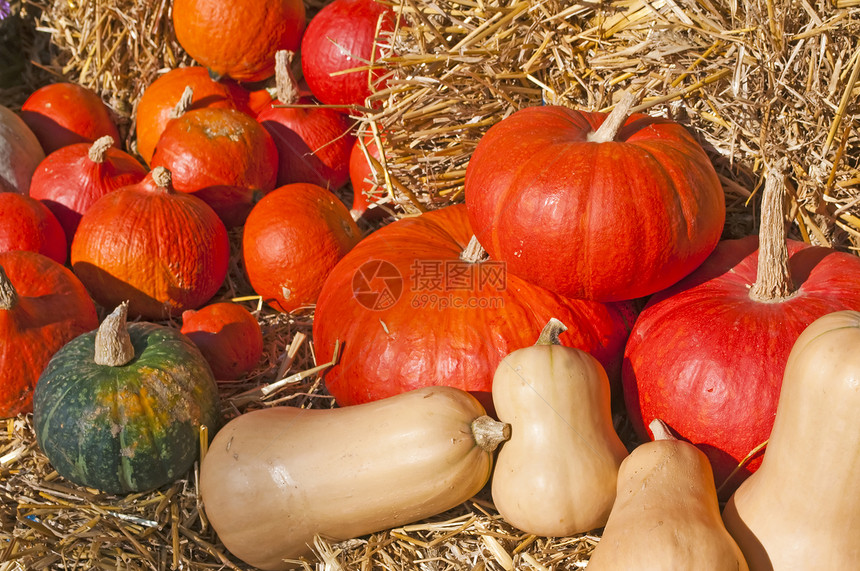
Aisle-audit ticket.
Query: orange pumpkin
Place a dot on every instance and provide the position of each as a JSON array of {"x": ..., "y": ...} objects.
[
  {"x": 239, "y": 38},
  {"x": 27, "y": 224},
  {"x": 164, "y": 251},
  {"x": 228, "y": 335},
  {"x": 292, "y": 239}
]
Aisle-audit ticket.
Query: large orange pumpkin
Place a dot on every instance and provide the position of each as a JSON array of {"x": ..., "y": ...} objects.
[
  {"x": 164, "y": 251},
  {"x": 411, "y": 307},
  {"x": 42, "y": 307},
  {"x": 591, "y": 212},
  {"x": 239, "y": 38}
]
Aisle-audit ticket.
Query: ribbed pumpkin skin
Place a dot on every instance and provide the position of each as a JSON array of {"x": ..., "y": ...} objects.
[
  {"x": 62, "y": 114},
  {"x": 163, "y": 251},
  {"x": 340, "y": 37},
  {"x": 20, "y": 152},
  {"x": 614, "y": 220},
  {"x": 161, "y": 96},
  {"x": 69, "y": 182},
  {"x": 27, "y": 224},
  {"x": 426, "y": 336},
  {"x": 53, "y": 308},
  {"x": 129, "y": 428},
  {"x": 223, "y": 156},
  {"x": 239, "y": 38}
]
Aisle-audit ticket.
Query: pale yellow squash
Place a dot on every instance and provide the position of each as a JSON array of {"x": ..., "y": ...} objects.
[
  {"x": 274, "y": 478},
  {"x": 556, "y": 475},
  {"x": 666, "y": 515},
  {"x": 801, "y": 509}
]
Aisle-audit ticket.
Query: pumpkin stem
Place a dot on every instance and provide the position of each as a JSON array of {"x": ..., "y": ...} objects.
[
  {"x": 113, "y": 345},
  {"x": 184, "y": 103},
  {"x": 613, "y": 122},
  {"x": 551, "y": 331},
  {"x": 161, "y": 177},
  {"x": 489, "y": 433},
  {"x": 473, "y": 253},
  {"x": 660, "y": 430},
  {"x": 99, "y": 148},
  {"x": 773, "y": 279},
  {"x": 8, "y": 295},
  {"x": 287, "y": 88}
]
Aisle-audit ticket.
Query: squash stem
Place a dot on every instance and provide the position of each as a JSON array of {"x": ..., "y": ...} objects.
[
  {"x": 660, "y": 430},
  {"x": 285, "y": 83},
  {"x": 773, "y": 279},
  {"x": 8, "y": 295},
  {"x": 113, "y": 346},
  {"x": 550, "y": 332},
  {"x": 489, "y": 433},
  {"x": 98, "y": 149},
  {"x": 473, "y": 253},
  {"x": 161, "y": 177},
  {"x": 613, "y": 122}
]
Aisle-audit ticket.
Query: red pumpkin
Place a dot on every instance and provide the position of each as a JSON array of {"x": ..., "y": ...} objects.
[
  {"x": 343, "y": 36},
  {"x": 72, "y": 178},
  {"x": 410, "y": 312},
  {"x": 238, "y": 38},
  {"x": 365, "y": 176},
  {"x": 229, "y": 337},
  {"x": 292, "y": 239},
  {"x": 314, "y": 142},
  {"x": 27, "y": 224},
  {"x": 164, "y": 251},
  {"x": 619, "y": 215},
  {"x": 42, "y": 307},
  {"x": 20, "y": 152},
  {"x": 222, "y": 156},
  {"x": 61, "y": 114},
  {"x": 159, "y": 100},
  {"x": 707, "y": 355}
]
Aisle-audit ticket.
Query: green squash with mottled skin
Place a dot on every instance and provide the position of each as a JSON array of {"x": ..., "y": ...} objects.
[{"x": 126, "y": 428}]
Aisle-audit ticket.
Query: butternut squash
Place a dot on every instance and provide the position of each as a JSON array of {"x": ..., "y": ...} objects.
[
  {"x": 274, "y": 478},
  {"x": 801, "y": 508},
  {"x": 556, "y": 475},
  {"x": 666, "y": 514}
]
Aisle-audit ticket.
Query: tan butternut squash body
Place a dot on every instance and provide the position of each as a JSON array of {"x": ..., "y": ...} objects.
[
  {"x": 801, "y": 508},
  {"x": 556, "y": 475},
  {"x": 274, "y": 478},
  {"x": 666, "y": 515}
]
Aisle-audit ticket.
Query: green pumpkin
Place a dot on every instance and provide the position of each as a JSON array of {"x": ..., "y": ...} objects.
[{"x": 119, "y": 409}]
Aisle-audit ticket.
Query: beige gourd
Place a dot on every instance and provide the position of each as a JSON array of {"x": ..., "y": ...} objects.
[
  {"x": 556, "y": 475},
  {"x": 666, "y": 515},
  {"x": 275, "y": 478},
  {"x": 801, "y": 508}
]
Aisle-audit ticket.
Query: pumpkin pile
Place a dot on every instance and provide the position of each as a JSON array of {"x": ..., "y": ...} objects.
[{"x": 577, "y": 339}]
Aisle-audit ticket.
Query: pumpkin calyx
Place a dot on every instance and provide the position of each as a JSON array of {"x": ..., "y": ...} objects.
[
  {"x": 287, "y": 88},
  {"x": 473, "y": 253},
  {"x": 8, "y": 294},
  {"x": 184, "y": 103},
  {"x": 162, "y": 178},
  {"x": 113, "y": 346},
  {"x": 489, "y": 433},
  {"x": 550, "y": 332},
  {"x": 773, "y": 280},
  {"x": 614, "y": 121},
  {"x": 98, "y": 150},
  {"x": 660, "y": 430}
]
